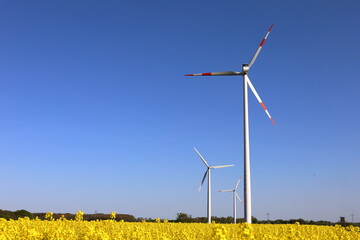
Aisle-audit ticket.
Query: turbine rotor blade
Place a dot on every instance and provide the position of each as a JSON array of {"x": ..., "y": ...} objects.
[
  {"x": 202, "y": 157},
  {"x": 226, "y": 73},
  {"x": 203, "y": 179},
  {"x": 238, "y": 197},
  {"x": 258, "y": 98},
  {"x": 237, "y": 184},
  {"x": 222, "y": 166},
  {"x": 260, "y": 47},
  {"x": 226, "y": 190}
]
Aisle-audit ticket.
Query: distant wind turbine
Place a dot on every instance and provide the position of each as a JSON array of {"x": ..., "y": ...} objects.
[
  {"x": 246, "y": 82},
  {"x": 209, "y": 183},
  {"x": 235, "y": 195}
]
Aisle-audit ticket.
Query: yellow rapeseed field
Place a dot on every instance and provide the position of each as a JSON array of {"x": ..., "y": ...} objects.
[{"x": 62, "y": 229}]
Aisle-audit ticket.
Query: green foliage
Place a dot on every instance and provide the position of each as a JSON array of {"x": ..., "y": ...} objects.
[
  {"x": 16, "y": 214},
  {"x": 185, "y": 218},
  {"x": 182, "y": 217}
]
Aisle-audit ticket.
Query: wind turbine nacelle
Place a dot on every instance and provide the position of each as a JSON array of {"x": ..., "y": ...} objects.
[{"x": 245, "y": 68}]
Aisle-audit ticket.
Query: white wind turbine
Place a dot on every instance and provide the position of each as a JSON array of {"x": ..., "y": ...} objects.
[
  {"x": 209, "y": 183},
  {"x": 246, "y": 82},
  {"x": 235, "y": 195}
]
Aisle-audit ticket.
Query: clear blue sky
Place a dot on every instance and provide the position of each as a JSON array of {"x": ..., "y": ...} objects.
[{"x": 97, "y": 115}]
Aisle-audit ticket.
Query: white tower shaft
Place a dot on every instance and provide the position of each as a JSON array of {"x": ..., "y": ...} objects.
[
  {"x": 234, "y": 206},
  {"x": 209, "y": 197},
  {"x": 247, "y": 185}
]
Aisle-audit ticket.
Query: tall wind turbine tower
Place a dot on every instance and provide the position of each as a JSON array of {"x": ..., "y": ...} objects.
[
  {"x": 207, "y": 173},
  {"x": 246, "y": 82}
]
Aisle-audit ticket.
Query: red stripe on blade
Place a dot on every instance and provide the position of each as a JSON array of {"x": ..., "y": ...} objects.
[
  {"x": 263, "y": 105},
  {"x": 262, "y": 42},
  {"x": 189, "y": 75},
  {"x": 270, "y": 27},
  {"x": 206, "y": 74},
  {"x": 272, "y": 120}
]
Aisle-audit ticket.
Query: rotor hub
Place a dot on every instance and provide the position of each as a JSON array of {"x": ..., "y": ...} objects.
[{"x": 245, "y": 68}]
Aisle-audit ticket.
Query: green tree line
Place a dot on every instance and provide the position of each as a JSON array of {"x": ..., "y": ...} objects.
[
  {"x": 88, "y": 217},
  {"x": 185, "y": 218}
]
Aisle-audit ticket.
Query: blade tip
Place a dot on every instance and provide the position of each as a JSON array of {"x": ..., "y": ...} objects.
[
  {"x": 273, "y": 122},
  {"x": 188, "y": 74},
  {"x": 271, "y": 27}
]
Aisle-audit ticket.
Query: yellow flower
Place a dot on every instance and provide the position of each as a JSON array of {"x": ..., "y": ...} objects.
[
  {"x": 113, "y": 215},
  {"x": 36, "y": 229},
  {"x": 49, "y": 216},
  {"x": 79, "y": 216}
]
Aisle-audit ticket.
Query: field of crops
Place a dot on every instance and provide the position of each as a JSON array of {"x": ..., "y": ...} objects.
[{"x": 27, "y": 229}]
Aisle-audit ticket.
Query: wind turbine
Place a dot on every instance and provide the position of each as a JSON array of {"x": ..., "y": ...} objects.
[
  {"x": 235, "y": 195},
  {"x": 209, "y": 183},
  {"x": 246, "y": 82}
]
